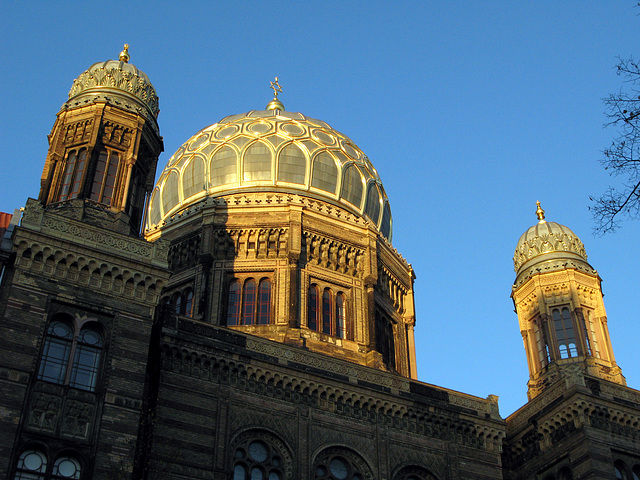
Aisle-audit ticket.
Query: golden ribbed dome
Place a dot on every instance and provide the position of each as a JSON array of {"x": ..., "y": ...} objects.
[
  {"x": 118, "y": 82},
  {"x": 271, "y": 151},
  {"x": 548, "y": 246}
]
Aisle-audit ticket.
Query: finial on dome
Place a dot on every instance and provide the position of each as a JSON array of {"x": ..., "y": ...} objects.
[
  {"x": 540, "y": 213},
  {"x": 124, "y": 54},
  {"x": 275, "y": 104}
]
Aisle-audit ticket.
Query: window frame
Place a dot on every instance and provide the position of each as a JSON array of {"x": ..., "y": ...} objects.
[
  {"x": 72, "y": 174},
  {"x": 323, "y": 314},
  {"x": 106, "y": 174},
  {"x": 249, "y": 308},
  {"x": 74, "y": 358},
  {"x": 49, "y": 470}
]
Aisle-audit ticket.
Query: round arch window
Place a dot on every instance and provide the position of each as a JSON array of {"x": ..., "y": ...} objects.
[
  {"x": 340, "y": 464},
  {"x": 260, "y": 456}
]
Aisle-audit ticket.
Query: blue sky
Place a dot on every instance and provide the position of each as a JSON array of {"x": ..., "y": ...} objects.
[{"x": 470, "y": 111}]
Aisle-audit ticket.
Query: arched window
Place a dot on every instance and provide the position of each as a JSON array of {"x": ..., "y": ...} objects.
[
  {"x": 249, "y": 302},
  {"x": 636, "y": 472},
  {"x": 541, "y": 342},
  {"x": 104, "y": 178},
  {"x": 313, "y": 308},
  {"x": 327, "y": 311},
  {"x": 176, "y": 300},
  {"x": 71, "y": 357},
  {"x": 32, "y": 465},
  {"x": 233, "y": 305},
  {"x": 74, "y": 170},
  {"x": 620, "y": 469},
  {"x": 385, "y": 340},
  {"x": 264, "y": 302},
  {"x": 258, "y": 455},
  {"x": 66, "y": 468},
  {"x": 188, "y": 302},
  {"x": 413, "y": 473},
  {"x": 565, "y": 333},
  {"x": 338, "y": 463},
  {"x": 56, "y": 351},
  {"x": 86, "y": 362},
  {"x": 340, "y": 333}
]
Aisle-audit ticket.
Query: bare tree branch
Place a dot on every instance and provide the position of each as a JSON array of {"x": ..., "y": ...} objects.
[{"x": 622, "y": 158}]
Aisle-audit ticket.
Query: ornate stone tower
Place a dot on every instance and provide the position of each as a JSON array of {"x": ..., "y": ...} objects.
[
  {"x": 80, "y": 288},
  {"x": 104, "y": 147},
  {"x": 558, "y": 299},
  {"x": 280, "y": 227}
]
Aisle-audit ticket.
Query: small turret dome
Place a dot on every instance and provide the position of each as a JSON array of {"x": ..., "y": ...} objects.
[
  {"x": 118, "y": 82},
  {"x": 271, "y": 151},
  {"x": 548, "y": 246}
]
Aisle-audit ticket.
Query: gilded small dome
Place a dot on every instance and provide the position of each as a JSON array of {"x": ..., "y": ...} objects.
[
  {"x": 548, "y": 243},
  {"x": 120, "y": 79},
  {"x": 271, "y": 151}
]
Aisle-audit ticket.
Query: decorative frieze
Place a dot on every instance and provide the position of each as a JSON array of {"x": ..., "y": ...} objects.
[
  {"x": 78, "y": 132},
  {"x": 333, "y": 254}
]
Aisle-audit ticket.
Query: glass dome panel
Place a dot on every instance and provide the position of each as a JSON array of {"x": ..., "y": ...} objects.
[
  {"x": 325, "y": 173},
  {"x": 372, "y": 208},
  {"x": 224, "y": 167},
  {"x": 155, "y": 214},
  {"x": 352, "y": 185},
  {"x": 385, "y": 226},
  {"x": 193, "y": 177},
  {"x": 170, "y": 192},
  {"x": 257, "y": 162},
  {"x": 232, "y": 158},
  {"x": 292, "y": 165}
]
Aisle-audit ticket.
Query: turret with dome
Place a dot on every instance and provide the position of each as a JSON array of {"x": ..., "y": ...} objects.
[
  {"x": 104, "y": 147},
  {"x": 558, "y": 299}
]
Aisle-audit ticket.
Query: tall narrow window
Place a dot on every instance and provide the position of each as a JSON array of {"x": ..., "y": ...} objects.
[
  {"x": 249, "y": 302},
  {"x": 68, "y": 175},
  {"x": 565, "y": 333},
  {"x": 264, "y": 302},
  {"x": 78, "y": 174},
  {"x": 326, "y": 311},
  {"x": 104, "y": 178},
  {"x": 177, "y": 303},
  {"x": 86, "y": 362},
  {"x": 72, "y": 178},
  {"x": 188, "y": 303},
  {"x": 313, "y": 308},
  {"x": 233, "y": 305},
  {"x": 592, "y": 331},
  {"x": 585, "y": 333},
  {"x": 340, "y": 316},
  {"x": 56, "y": 351},
  {"x": 541, "y": 342}
]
